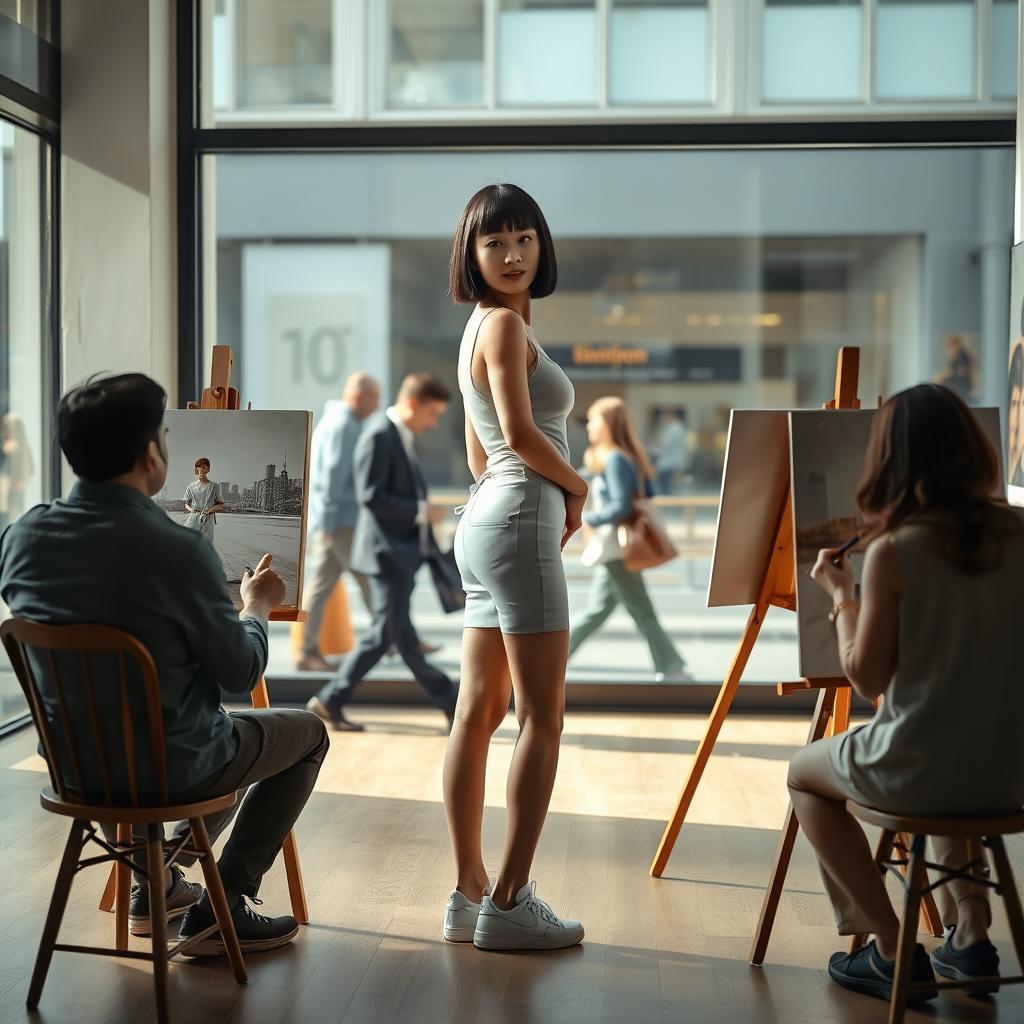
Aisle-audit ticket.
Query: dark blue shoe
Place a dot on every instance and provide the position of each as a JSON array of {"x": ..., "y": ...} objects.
[
  {"x": 869, "y": 973},
  {"x": 979, "y": 960}
]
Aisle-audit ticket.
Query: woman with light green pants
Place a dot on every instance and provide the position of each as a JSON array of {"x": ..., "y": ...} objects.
[{"x": 617, "y": 461}]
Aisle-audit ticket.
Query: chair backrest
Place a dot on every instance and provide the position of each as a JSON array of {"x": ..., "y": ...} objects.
[{"x": 68, "y": 691}]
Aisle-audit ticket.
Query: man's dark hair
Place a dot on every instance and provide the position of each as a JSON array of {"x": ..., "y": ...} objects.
[
  {"x": 497, "y": 208},
  {"x": 105, "y": 423},
  {"x": 424, "y": 387}
]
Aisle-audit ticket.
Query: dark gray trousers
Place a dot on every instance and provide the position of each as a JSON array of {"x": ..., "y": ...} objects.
[{"x": 280, "y": 752}]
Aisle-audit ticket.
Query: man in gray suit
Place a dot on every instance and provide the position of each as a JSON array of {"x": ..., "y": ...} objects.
[{"x": 393, "y": 537}]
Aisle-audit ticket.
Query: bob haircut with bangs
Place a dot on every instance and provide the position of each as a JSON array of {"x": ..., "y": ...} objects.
[{"x": 493, "y": 209}]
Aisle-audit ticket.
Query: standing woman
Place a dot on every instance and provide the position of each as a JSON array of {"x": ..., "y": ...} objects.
[
  {"x": 203, "y": 501},
  {"x": 526, "y": 503},
  {"x": 617, "y": 461}
]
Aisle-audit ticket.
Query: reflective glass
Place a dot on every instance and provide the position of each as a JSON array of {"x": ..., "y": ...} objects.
[
  {"x": 437, "y": 54},
  {"x": 1004, "y": 49},
  {"x": 690, "y": 283},
  {"x": 21, "y": 345},
  {"x": 284, "y": 53},
  {"x": 811, "y": 51},
  {"x": 924, "y": 49},
  {"x": 547, "y": 53},
  {"x": 658, "y": 51}
]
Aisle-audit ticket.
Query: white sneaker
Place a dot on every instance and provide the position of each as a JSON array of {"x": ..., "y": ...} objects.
[
  {"x": 530, "y": 924},
  {"x": 460, "y": 916}
]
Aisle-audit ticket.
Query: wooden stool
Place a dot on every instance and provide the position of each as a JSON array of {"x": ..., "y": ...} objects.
[
  {"x": 100, "y": 777},
  {"x": 990, "y": 832}
]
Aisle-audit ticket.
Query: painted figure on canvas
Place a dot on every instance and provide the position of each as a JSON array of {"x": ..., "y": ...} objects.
[{"x": 203, "y": 501}]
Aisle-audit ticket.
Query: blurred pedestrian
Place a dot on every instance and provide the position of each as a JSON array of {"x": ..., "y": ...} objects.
[
  {"x": 622, "y": 472},
  {"x": 333, "y": 508},
  {"x": 671, "y": 458},
  {"x": 393, "y": 536}
]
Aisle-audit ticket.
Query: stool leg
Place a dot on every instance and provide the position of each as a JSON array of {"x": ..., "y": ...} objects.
[
  {"x": 54, "y": 916},
  {"x": 158, "y": 917},
  {"x": 1011, "y": 898},
  {"x": 908, "y": 931},
  {"x": 122, "y": 890},
  {"x": 219, "y": 900},
  {"x": 882, "y": 851}
]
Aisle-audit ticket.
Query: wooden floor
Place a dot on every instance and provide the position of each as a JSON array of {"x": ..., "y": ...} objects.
[{"x": 377, "y": 869}]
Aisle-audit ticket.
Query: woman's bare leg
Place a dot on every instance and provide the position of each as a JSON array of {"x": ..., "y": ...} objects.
[
  {"x": 961, "y": 903},
  {"x": 484, "y": 693},
  {"x": 853, "y": 883},
  {"x": 537, "y": 663}
]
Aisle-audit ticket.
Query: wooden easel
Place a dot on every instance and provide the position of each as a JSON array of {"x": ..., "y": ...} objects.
[
  {"x": 221, "y": 395},
  {"x": 832, "y": 713}
]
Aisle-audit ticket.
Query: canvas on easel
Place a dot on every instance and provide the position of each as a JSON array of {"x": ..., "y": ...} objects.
[{"x": 259, "y": 470}]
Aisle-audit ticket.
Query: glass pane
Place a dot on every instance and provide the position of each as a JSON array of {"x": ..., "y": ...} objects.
[
  {"x": 812, "y": 51},
  {"x": 1004, "y": 49},
  {"x": 547, "y": 53},
  {"x": 924, "y": 50},
  {"x": 33, "y": 15},
  {"x": 672, "y": 294},
  {"x": 658, "y": 51},
  {"x": 21, "y": 344},
  {"x": 284, "y": 53},
  {"x": 437, "y": 54}
]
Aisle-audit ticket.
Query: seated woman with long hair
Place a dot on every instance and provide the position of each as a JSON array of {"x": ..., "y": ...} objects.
[{"x": 936, "y": 634}]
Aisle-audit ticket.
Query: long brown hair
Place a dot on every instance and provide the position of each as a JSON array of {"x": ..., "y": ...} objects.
[
  {"x": 623, "y": 436},
  {"x": 927, "y": 457}
]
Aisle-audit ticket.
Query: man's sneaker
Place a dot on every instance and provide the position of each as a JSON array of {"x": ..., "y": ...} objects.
[
  {"x": 255, "y": 932},
  {"x": 460, "y": 916},
  {"x": 868, "y": 972},
  {"x": 181, "y": 895},
  {"x": 530, "y": 924},
  {"x": 979, "y": 960}
]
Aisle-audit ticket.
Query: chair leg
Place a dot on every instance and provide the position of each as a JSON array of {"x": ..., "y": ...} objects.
[
  {"x": 54, "y": 916},
  {"x": 908, "y": 931},
  {"x": 882, "y": 851},
  {"x": 122, "y": 890},
  {"x": 1011, "y": 898},
  {"x": 158, "y": 916},
  {"x": 219, "y": 900}
]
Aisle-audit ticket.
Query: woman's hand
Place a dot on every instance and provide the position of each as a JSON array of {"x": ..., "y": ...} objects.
[
  {"x": 573, "y": 515},
  {"x": 836, "y": 581}
]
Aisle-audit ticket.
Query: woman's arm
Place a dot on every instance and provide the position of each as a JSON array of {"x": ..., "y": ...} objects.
[
  {"x": 867, "y": 636},
  {"x": 620, "y": 478},
  {"x": 476, "y": 457},
  {"x": 505, "y": 352}
]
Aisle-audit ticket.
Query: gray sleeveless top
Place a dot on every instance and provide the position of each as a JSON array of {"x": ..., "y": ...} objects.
[
  {"x": 551, "y": 399},
  {"x": 946, "y": 739}
]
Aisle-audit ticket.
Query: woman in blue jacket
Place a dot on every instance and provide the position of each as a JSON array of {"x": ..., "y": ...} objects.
[{"x": 618, "y": 463}]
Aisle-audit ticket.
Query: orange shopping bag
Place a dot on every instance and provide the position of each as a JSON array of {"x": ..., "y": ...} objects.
[{"x": 336, "y": 635}]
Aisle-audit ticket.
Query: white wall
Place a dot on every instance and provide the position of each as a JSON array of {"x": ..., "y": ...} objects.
[{"x": 117, "y": 190}]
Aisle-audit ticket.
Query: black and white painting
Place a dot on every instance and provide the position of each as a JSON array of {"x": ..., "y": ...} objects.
[{"x": 240, "y": 480}]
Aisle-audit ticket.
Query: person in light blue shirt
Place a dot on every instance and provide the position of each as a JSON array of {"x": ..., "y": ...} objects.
[
  {"x": 333, "y": 508},
  {"x": 619, "y": 463}
]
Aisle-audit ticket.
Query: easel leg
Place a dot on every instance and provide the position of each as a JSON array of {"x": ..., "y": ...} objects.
[
  {"x": 715, "y": 722},
  {"x": 819, "y": 724},
  {"x": 290, "y": 849}
]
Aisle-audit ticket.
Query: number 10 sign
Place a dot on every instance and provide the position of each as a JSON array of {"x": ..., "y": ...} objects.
[{"x": 312, "y": 315}]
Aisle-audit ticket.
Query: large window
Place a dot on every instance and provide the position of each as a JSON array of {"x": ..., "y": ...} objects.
[
  {"x": 690, "y": 283},
  {"x": 29, "y": 106}
]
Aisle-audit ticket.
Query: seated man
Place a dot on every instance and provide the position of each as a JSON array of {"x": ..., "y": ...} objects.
[{"x": 107, "y": 554}]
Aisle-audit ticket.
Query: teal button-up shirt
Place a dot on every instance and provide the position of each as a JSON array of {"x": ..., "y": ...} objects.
[{"x": 107, "y": 554}]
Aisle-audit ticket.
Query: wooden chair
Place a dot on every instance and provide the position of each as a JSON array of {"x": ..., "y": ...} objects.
[
  {"x": 989, "y": 832},
  {"x": 82, "y": 784}
]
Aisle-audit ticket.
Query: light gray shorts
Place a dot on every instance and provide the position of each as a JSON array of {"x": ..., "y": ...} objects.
[{"x": 508, "y": 548}]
